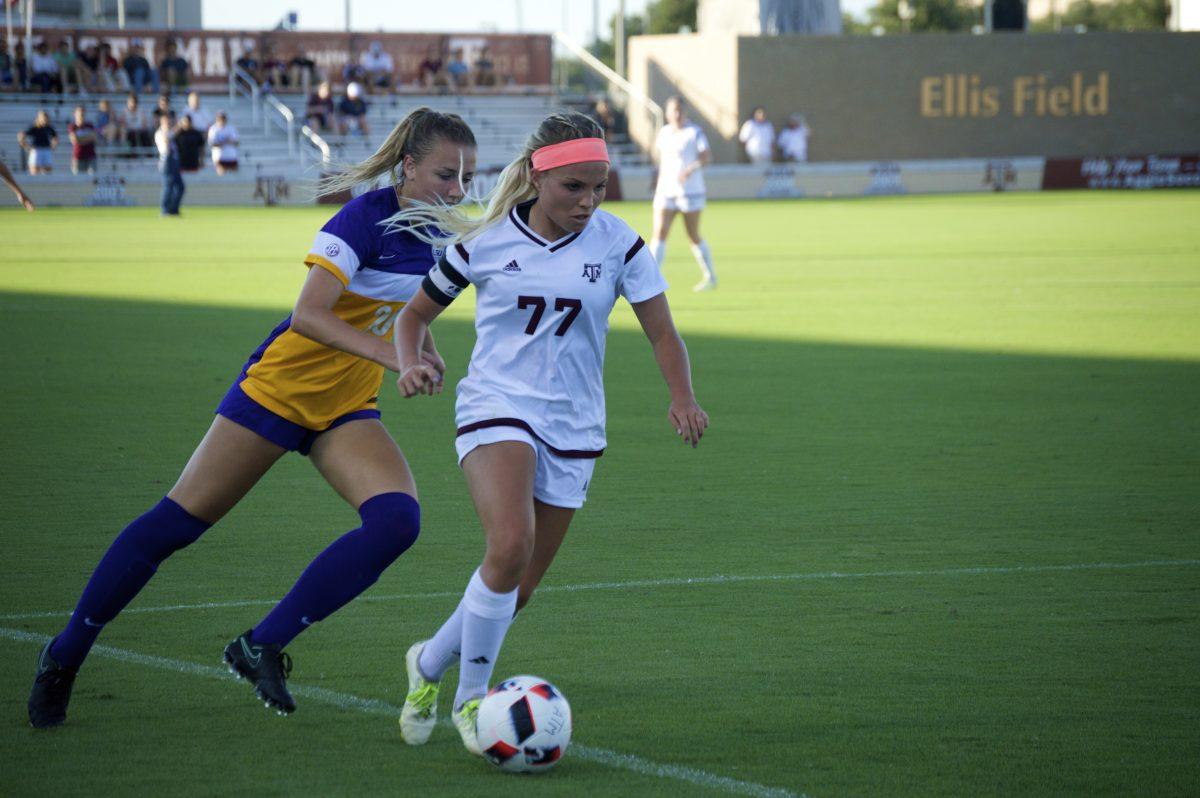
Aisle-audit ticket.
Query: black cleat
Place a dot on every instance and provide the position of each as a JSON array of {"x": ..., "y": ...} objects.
[
  {"x": 267, "y": 667},
  {"x": 51, "y": 692}
]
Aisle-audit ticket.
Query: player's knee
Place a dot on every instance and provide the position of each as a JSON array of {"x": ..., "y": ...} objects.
[
  {"x": 510, "y": 552},
  {"x": 161, "y": 531},
  {"x": 393, "y": 521}
]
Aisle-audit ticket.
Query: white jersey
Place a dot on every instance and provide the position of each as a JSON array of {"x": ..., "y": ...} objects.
[
  {"x": 679, "y": 148},
  {"x": 541, "y": 322}
]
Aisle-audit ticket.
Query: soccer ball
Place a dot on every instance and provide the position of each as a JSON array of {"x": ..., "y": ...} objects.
[{"x": 524, "y": 725}]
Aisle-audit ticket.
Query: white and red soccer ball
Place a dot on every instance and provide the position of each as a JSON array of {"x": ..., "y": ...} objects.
[{"x": 524, "y": 725}]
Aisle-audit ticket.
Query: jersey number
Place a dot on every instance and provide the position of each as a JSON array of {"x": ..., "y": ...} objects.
[{"x": 572, "y": 306}]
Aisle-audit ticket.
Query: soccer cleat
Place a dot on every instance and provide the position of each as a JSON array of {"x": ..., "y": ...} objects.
[
  {"x": 707, "y": 284},
  {"x": 51, "y": 691},
  {"x": 464, "y": 718},
  {"x": 266, "y": 667},
  {"x": 419, "y": 715}
]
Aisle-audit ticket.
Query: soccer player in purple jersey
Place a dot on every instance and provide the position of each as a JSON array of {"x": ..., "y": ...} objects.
[{"x": 311, "y": 387}]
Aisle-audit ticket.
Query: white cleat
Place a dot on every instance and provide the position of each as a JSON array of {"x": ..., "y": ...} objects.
[
  {"x": 707, "y": 284},
  {"x": 419, "y": 715},
  {"x": 465, "y": 718}
]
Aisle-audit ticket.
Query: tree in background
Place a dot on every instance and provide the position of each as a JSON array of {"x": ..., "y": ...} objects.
[
  {"x": 926, "y": 16},
  {"x": 1123, "y": 15}
]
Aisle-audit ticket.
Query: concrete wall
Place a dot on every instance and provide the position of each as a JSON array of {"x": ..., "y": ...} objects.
[{"x": 943, "y": 96}]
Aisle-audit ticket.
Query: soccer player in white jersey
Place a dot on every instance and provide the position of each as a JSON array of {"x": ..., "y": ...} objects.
[
  {"x": 682, "y": 150},
  {"x": 311, "y": 387},
  {"x": 548, "y": 267}
]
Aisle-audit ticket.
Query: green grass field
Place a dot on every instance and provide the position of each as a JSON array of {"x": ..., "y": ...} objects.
[{"x": 943, "y": 537}]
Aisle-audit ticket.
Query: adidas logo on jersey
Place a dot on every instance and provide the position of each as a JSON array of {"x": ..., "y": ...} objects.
[{"x": 512, "y": 266}]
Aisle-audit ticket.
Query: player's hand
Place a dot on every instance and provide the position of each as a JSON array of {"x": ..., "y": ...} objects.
[
  {"x": 689, "y": 420},
  {"x": 434, "y": 359},
  {"x": 420, "y": 378}
]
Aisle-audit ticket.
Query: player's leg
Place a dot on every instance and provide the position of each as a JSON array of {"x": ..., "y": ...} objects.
[
  {"x": 367, "y": 469},
  {"x": 551, "y": 524},
  {"x": 227, "y": 463},
  {"x": 664, "y": 214},
  {"x": 700, "y": 250}
]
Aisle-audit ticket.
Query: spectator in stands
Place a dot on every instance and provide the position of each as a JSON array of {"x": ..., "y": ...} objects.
[
  {"x": 793, "y": 139},
  {"x": 758, "y": 136},
  {"x": 39, "y": 141},
  {"x": 249, "y": 64},
  {"x": 139, "y": 71},
  {"x": 135, "y": 123},
  {"x": 106, "y": 123},
  {"x": 378, "y": 67},
  {"x": 223, "y": 139},
  {"x": 22, "y": 197},
  {"x": 169, "y": 166},
  {"x": 89, "y": 68},
  {"x": 68, "y": 67},
  {"x": 21, "y": 66},
  {"x": 174, "y": 70},
  {"x": 353, "y": 72},
  {"x": 274, "y": 69},
  {"x": 485, "y": 69},
  {"x": 431, "y": 73},
  {"x": 112, "y": 76},
  {"x": 8, "y": 71},
  {"x": 201, "y": 119},
  {"x": 352, "y": 112},
  {"x": 83, "y": 137},
  {"x": 457, "y": 71},
  {"x": 163, "y": 108},
  {"x": 318, "y": 113},
  {"x": 611, "y": 120},
  {"x": 302, "y": 72},
  {"x": 190, "y": 142},
  {"x": 44, "y": 70}
]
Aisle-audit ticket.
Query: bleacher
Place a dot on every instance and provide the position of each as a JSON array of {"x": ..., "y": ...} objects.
[{"x": 501, "y": 124}]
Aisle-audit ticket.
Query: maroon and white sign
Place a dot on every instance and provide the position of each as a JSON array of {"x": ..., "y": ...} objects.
[
  {"x": 520, "y": 59},
  {"x": 1123, "y": 171}
]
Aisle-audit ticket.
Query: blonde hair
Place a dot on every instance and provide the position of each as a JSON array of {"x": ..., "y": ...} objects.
[
  {"x": 416, "y": 135},
  {"x": 514, "y": 186}
]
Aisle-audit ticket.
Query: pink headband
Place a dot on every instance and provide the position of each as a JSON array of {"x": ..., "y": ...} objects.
[{"x": 569, "y": 152}]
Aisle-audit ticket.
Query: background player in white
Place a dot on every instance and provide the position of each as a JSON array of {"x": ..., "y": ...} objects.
[
  {"x": 548, "y": 267},
  {"x": 682, "y": 151}
]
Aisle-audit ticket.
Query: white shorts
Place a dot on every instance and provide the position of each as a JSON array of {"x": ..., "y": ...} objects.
[
  {"x": 41, "y": 158},
  {"x": 684, "y": 203},
  {"x": 558, "y": 481}
]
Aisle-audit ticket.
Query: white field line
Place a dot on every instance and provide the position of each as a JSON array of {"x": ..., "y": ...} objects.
[
  {"x": 373, "y": 706},
  {"x": 635, "y": 584}
]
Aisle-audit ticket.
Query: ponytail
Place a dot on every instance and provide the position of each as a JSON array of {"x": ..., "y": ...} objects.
[{"x": 416, "y": 135}]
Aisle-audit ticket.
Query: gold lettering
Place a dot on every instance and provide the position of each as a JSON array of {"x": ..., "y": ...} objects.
[
  {"x": 991, "y": 101},
  {"x": 1076, "y": 93},
  {"x": 1039, "y": 103},
  {"x": 1095, "y": 98},
  {"x": 948, "y": 104},
  {"x": 974, "y": 95},
  {"x": 961, "y": 96},
  {"x": 1021, "y": 94},
  {"x": 1060, "y": 97},
  {"x": 929, "y": 97}
]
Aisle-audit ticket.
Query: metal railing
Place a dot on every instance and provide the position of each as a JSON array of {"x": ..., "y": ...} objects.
[
  {"x": 241, "y": 83},
  {"x": 620, "y": 86},
  {"x": 316, "y": 142},
  {"x": 283, "y": 118}
]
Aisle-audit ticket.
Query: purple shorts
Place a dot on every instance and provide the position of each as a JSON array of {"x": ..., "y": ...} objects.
[{"x": 241, "y": 409}]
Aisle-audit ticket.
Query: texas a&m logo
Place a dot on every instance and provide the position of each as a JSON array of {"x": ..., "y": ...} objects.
[{"x": 591, "y": 271}]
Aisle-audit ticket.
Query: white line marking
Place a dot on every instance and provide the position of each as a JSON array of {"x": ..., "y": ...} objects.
[
  {"x": 372, "y": 706},
  {"x": 719, "y": 579}
]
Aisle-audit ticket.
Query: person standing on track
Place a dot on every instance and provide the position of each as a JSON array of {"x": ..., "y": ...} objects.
[
  {"x": 311, "y": 387},
  {"x": 548, "y": 267},
  {"x": 682, "y": 151}
]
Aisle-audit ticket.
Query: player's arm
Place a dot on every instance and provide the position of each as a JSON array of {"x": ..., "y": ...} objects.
[
  {"x": 417, "y": 376},
  {"x": 685, "y": 413},
  {"x": 8, "y": 178},
  {"x": 313, "y": 317}
]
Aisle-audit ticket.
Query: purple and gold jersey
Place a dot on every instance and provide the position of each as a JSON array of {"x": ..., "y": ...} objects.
[{"x": 312, "y": 384}]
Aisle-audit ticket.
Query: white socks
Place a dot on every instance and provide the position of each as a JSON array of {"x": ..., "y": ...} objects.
[
  {"x": 703, "y": 256},
  {"x": 442, "y": 650},
  {"x": 486, "y": 616},
  {"x": 658, "y": 249}
]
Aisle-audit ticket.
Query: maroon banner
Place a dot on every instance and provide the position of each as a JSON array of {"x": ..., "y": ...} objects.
[
  {"x": 519, "y": 59},
  {"x": 1123, "y": 171}
]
